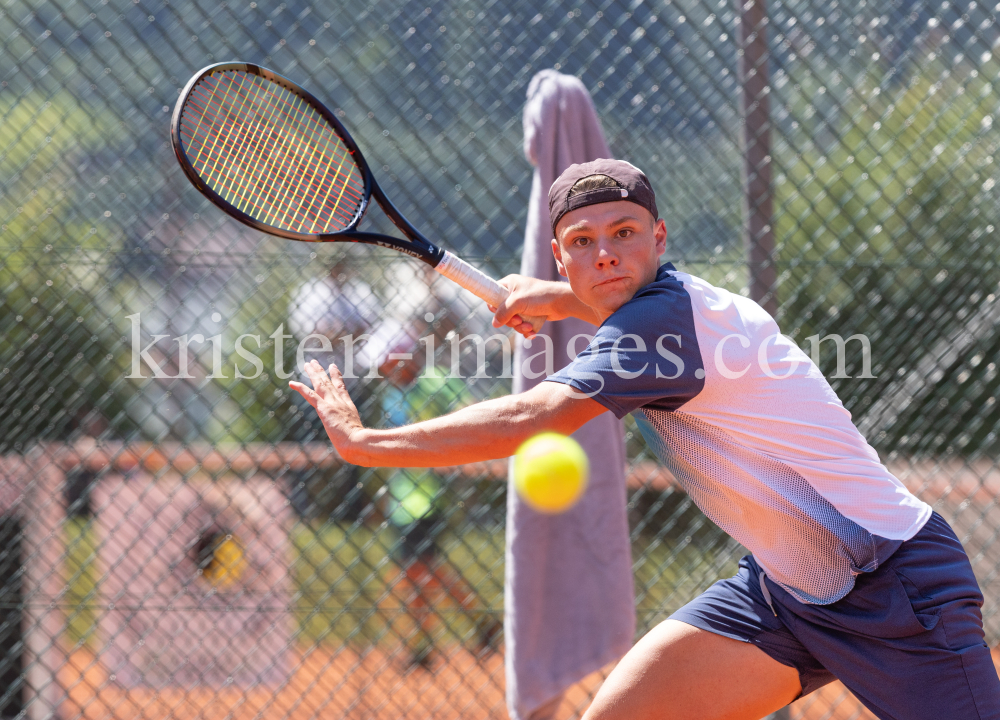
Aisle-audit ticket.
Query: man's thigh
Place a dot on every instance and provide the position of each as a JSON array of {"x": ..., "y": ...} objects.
[{"x": 680, "y": 672}]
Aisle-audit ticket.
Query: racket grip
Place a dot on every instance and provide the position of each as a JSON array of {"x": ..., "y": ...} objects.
[{"x": 478, "y": 283}]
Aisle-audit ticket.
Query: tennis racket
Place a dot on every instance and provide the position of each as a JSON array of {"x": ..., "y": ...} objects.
[{"x": 274, "y": 157}]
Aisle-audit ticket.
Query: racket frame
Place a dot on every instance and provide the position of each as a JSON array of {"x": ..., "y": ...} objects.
[{"x": 415, "y": 245}]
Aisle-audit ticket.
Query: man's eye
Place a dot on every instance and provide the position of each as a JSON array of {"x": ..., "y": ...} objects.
[
  {"x": 581, "y": 242},
  {"x": 624, "y": 232}
]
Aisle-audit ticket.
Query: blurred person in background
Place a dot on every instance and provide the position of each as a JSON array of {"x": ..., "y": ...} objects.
[
  {"x": 413, "y": 500},
  {"x": 336, "y": 305}
]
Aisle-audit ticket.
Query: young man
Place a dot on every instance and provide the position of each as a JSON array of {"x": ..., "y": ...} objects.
[{"x": 851, "y": 576}]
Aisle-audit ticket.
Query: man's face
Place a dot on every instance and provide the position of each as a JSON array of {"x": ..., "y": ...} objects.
[{"x": 608, "y": 252}]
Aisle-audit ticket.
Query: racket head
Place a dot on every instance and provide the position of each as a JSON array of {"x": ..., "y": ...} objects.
[{"x": 269, "y": 153}]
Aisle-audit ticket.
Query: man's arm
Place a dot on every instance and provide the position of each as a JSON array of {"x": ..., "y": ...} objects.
[
  {"x": 484, "y": 431},
  {"x": 539, "y": 299}
]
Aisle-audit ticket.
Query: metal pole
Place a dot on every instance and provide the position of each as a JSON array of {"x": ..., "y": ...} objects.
[
  {"x": 755, "y": 109},
  {"x": 755, "y": 139},
  {"x": 44, "y": 553}
]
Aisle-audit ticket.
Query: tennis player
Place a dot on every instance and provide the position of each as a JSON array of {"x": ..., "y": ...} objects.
[{"x": 850, "y": 576}]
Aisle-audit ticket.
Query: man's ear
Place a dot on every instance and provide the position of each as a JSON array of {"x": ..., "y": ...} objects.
[
  {"x": 557, "y": 254},
  {"x": 660, "y": 234}
]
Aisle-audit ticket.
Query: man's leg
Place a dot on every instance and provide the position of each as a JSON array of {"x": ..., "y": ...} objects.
[
  {"x": 679, "y": 672},
  {"x": 458, "y": 588}
]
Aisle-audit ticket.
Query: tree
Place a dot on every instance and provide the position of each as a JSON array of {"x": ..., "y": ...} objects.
[
  {"x": 887, "y": 230},
  {"x": 57, "y": 364}
]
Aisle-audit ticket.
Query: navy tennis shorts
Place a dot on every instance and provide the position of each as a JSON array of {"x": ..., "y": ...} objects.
[{"x": 907, "y": 640}]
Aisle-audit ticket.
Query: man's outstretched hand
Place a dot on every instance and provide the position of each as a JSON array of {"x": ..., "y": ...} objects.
[{"x": 335, "y": 409}]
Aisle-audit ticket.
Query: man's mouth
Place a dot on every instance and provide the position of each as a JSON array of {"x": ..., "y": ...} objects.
[{"x": 610, "y": 281}]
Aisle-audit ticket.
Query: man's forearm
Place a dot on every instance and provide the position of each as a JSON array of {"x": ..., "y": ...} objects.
[{"x": 485, "y": 431}]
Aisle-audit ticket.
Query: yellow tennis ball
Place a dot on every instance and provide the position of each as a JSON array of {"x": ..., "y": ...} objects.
[{"x": 550, "y": 472}]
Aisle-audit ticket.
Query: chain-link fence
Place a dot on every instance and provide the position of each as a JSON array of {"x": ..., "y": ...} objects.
[{"x": 178, "y": 538}]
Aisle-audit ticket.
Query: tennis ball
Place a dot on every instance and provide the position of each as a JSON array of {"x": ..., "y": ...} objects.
[{"x": 550, "y": 472}]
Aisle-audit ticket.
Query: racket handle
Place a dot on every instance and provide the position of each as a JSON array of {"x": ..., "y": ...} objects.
[{"x": 478, "y": 283}]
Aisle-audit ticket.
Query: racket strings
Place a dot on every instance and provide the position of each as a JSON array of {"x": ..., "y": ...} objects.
[
  {"x": 270, "y": 154},
  {"x": 281, "y": 155}
]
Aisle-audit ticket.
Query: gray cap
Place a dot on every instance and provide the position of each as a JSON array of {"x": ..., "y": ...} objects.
[{"x": 633, "y": 186}]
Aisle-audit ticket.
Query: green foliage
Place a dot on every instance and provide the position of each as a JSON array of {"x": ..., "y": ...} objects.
[
  {"x": 55, "y": 350},
  {"x": 889, "y": 229},
  {"x": 256, "y": 409},
  {"x": 44, "y": 140}
]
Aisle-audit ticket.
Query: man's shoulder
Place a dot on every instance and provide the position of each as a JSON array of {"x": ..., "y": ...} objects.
[
  {"x": 672, "y": 285},
  {"x": 693, "y": 287},
  {"x": 664, "y": 300},
  {"x": 699, "y": 297}
]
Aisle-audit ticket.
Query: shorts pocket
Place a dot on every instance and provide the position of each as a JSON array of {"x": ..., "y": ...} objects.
[
  {"x": 983, "y": 681},
  {"x": 927, "y": 616},
  {"x": 880, "y": 606}
]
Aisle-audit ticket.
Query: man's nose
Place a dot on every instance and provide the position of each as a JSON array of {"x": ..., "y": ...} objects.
[{"x": 606, "y": 256}]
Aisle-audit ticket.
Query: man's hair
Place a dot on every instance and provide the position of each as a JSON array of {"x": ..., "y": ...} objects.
[{"x": 592, "y": 182}]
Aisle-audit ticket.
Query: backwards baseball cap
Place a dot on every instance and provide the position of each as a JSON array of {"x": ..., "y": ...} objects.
[{"x": 632, "y": 185}]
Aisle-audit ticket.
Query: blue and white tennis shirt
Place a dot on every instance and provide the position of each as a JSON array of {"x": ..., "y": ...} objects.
[{"x": 752, "y": 430}]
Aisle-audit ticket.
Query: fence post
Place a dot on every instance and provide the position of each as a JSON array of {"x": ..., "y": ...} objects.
[
  {"x": 755, "y": 139},
  {"x": 44, "y": 584}
]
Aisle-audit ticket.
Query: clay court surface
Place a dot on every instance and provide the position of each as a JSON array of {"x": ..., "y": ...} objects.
[{"x": 370, "y": 684}]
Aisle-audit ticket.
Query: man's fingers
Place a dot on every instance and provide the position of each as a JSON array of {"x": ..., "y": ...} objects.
[
  {"x": 306, "y": 392},
  {"x": 500, "y": 315},
  {"x": 324, "y": 385},
  {"x": 335, "y": 375},
  {"x": 518, "y": 324},
  {"x": 525, "y": 329},
  {"x": 506, "y": 312},
  {"x": 315, "y": 372}
]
